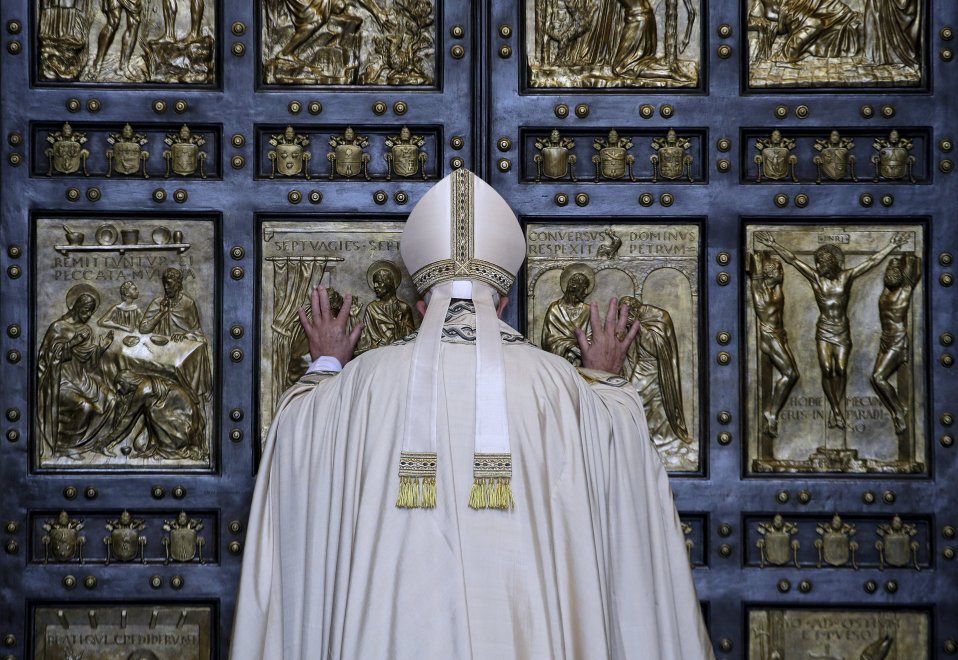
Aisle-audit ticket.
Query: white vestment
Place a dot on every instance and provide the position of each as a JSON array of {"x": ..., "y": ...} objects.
[{"x": 591, "y": 563}]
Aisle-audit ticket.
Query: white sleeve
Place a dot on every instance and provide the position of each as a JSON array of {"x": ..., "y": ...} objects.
[{"x": 325, "y": 363}]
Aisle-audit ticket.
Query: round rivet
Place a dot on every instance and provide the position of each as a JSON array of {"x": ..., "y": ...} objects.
[
  {"x": 866, "y": 199},
  {"x": 69, "y": 582},
  {"x": 91, "y": 493},
  {"x": 13, "y": 435},
  {"x": 315, "y": 197},
  {"x": 177, "y": 581},
  {"x": 666, "y": 199},
  {"x": 93, "y": 194},
  {"x": 159, "y": 195},
  {"x": 946, "y": 33},
  {"x": 948, "y": 552},
  {"x": 946, "y": 166},
  {"x": 456, "y": 162},
  {"x": 725, "y": 530},
  {"x": 951, "y": 646},
  {"x": 238, "y": 140},
  {"x": 505, "y": 52},
  {"x": 236, "y": 355},
  {"x": 159, "y": 106},
  {"x": 946, "y": 54},
  {"x": 725, "y": 438},
  {"x": 237, "y": 331},
  {"x": 723, "y": 144},
  {"x": 315, "y": 107},
  {"x": 561, "y": 199},
  {"x": 14, "y": 26},
  {"x": 237, "y": 252},
  {"x": 11, "y": 527},
  {"x": 178, "y": 492},
  {"x": 724, "y": 417},
  {"x": 238, "y": 49},
  {"x": 724, "y": 51},
  {"x": 400, "y": 197},
  {"x": 947, "y": 440},
  {"x": 891, "y": 586},
  {"x": 781, "y": 111},
  {"x": 158, "y": 492},
  {"x": 237, "y": 272},
  {"x": 457, "y": 52},
  {"x": 888, "y": 497},
  {"x": 946, "y": 419},
  {"x": 380, "y": 197},
  {"x": 504, "y": 164},
  {"x": 156, "y": 581},
  {"x": 867, "y": 111},
  {"x": 93, "y": 105},
  {"x": 14, "y": 251},
  {"x": 12, "y": 547},
  {"x": 723, "y": 278},
  {"x": 13, "y": 355},
  {"x": 457, "y": 142},
  {"x": 667, "y": 110},
  {"x": 801, "y": 200},
  {"x": 238, "y": 28},
  {"x": 89, "y": 582},
  {"x": 294, "y": 197},
  {"x": 237, "y": 162},
  {"x": 180, "y": 195},
  {"x": 725, "y": 30},
  {"x": 457, "y": 31},
  {"x": 944, "y": 258},
  {"x": 946, "y": 339},
  {"x": 801, "y": 111},
  {"x": 70, "y": 492},
  {"x": 725, "y": 645},
  {"x": 13, "y": 414},
  {"x": 582, "y": 110},
  {"x": 561, "y": 111},
  {"x": 646, "y": 110},
  {"x": 947, "y": 360},
  {"x": 234, "y": 547},
  {"x": 236, "y": 435},
  {"x": 724, "y": 357},
  {"x": 505, "y": 31},
  {"x": 887, "y": 200},
  {"x": 870, "y": 586},
  {"x": 235, "y": 526},
  {"x": 723, "y": 337},
  {"x": 948, "y": 531},
  {"x": 14, "y": 272},
  {"x": 15, "y": 159},
  {"x": 236, "y": 414},
  {"x": 582, "y": 199},
  {"x": 181, "y": 106},
  {"x": 73, "y": 105},
  {"x": 295, "y": 107},
  {"x": 805, "y": 586},
  {"x": 723, "y": 258},
  {"x": 888, "y": 111},
  {"x": 723, "y": 165},
  {"x": 781, "y": 496},
  {"x": 946, "y": 279},
  {"x": 646, "y": 199},
  {"x": 781, "y": 200},
  {"x": 784, "y": 586},
  {"x": 504, "y": 144},
  {"x": 15, "y": 138},
  {"x": 400, "y": 107},
  {"x": 379, "y": 107},
  {"x": 868, "y": 497},
  {"x": 804, "y": 497},
  {"x": 14, "y": 47}
]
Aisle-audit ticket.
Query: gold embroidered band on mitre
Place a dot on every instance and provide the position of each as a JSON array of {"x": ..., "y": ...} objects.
[
  {"x": 417, "y": 480},
  {"x": 492, "y": 482}
]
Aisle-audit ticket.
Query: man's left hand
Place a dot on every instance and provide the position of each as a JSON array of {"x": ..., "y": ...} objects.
[{"x": 326, "y": 332}]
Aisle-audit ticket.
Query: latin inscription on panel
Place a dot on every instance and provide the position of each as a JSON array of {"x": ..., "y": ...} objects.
[
  {"x": 837, "y": 634},
  {"x": 125, "y": 328},
  {"x": 357, "y": 258},
  {"x": 652, "y": 268},
  {"x": 835, "y": 350}
]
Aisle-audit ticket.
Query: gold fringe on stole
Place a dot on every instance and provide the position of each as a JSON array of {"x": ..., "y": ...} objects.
[
  {"x": 417, "y": 480},
  {"x": 492, "y": 482}
]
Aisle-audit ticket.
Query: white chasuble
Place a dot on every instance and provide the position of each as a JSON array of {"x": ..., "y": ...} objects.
[{"x": 591, "y": 563}]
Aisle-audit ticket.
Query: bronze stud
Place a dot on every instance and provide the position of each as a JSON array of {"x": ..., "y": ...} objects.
[
  {"x": 782, "y": 496},
  {"x": 802, "y": 112},
  {"x": 400, "y": 197},
  {"x": 805, "y": 586},
  {"x": 238, "y": 49},
  {"x": 723, "y": 144},
  {"x": 504, "y": 164},
  {"x": 14, "y": 26},
  {"x": 724, "y": 51},
  {"x": 784, "y": 586},
  {"x": 725, "y": 31},
  {"x": 723, "y": 358},
  {"x": 505, "y": 31},
  {"x": 237, "y": 252},
  {"x": 238, "y": 28},
  {"x": 723, "y": 337},
  {"x": 234, "y": 547},
  {"x": 159, "y": 106},
  {"x": 946, "y": 166},
  {"x": 315, "y": 197},
  {"x": 236, "y": 435},
  {"x": 93, "y": 194},
  {"x": 948, "y": 552},
  {"x": 457, "y": 142},
  {"x": 945, "y": 258},
  {"x": 947, "y": 360},
  {"x": 801, "y": 200},
  {"x": 238, "y": 140},
  {"x": 237, "y": 331},
  {"x": 457, "y": 31},
  {"x": 723, "y": 165},
  {"x": 725, "y": 550},
  {"x": 868, "y": 497},
  {"x": 946, "y": 339},
  {"x": 561, "y": 199},
  {"x": 781, "y": 200},
  {"x": 723, "y": 278},
  {"x": 888, "y": 497},
  {"x": 646, "y": 111},
  {"x": 561, "y": 111},
  {"x": 870, "y": 586},
  {"x": 667, "y": 110},
  {"x": 73, "y": 105},
  {"x": 379, "y": 108},
  {"x": 91, "y": 492},
  {"x": 504, "y": 144},
  {"x": 725, "y": 645},
  {"x": 237, "y": 162},
  {"x": 89, "y": 582},
  {"x": 505, "y": 52},
  {"x": 582, "y": 199},
  {"x": 14, "y": 47},
  {"x": 180, "y": 106},
  {"x": 14, "y": 251},
  {"x": 156, "y": 581},
  {"x": 315, "y": 107},
  {"x": 456, "y": 162},
  {"x": 946, "y": 419},
  {"x": 666, "y": 199},
  {"x": 294, "y": 197},
  {"x": 887, "y": 200},
  {"x": 14, "y": 272},
  {"x": 946, "y": 33},
  {"x": 646, "y": 199},
  {"x": 781, "y": 111},
  {"x": 866, "y": 199},
  {"x": 891, "y": 586},
  {"x": 179, "y": 492},
  {"x": 946, "y": 279},
  {"x": 867, "y": 111},
  {"x": 948, "y": 531},
  {"x": 724, "y": 417},
  {"x": 725, "y": 438},
  {"x": 235, "y": 526},
  {"x": 13, "y": 330},
  {"x": 70, "y": 492},
  {"x": 159, "y": 195},
  {"x": 946, "y": 54},
  {"x": 400, "y": 107},
  {"x": 12, "y": 547},
  {"x": 180, "y": 195},
  {"x": 457, "y": 52},
  {"x": 13, "y": 356},
  {"x": 723, "y": 258},
  {"x": 177, "y": 582},
  {"x": 295, "y": 107},
  {"x": 380, "y": 197},
  {"x": 15, "y": 159},
  {"x": 951, "y": 646},
  {"x": 15, "y": 138},
  {"x": 236, "y": 355},
  {"x": 158, "y": 492},
  {"x": 13, "y": 435},
  {"x": 946, "y": 145},
  {"x": 888, "y": 111},
  {"x": 13, "y": 414},
  {"x": 236, "y": 414},
  {"x": 69, "y": 582},
  {"x": 725, "y": 530},
  {"x": 804, "y": 497},
  {"x": 582, "y": 110}
]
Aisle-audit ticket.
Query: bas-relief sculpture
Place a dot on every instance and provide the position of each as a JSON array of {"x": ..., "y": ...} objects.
[
  {"x": 613, "y": 43},
  {"x": 126, "y": 41},
  {"x": 357, "y": 258},
  {"x": 366, "y": 42},
  {"x": 652, "y": 269},
  {"x": 849, "y": 399},
  {"x": 120, "y": 383},
  {"x": 778, "y": 634},
  {"x": 834, "y": 43}
]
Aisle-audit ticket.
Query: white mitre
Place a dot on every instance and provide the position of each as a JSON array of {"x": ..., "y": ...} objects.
[{"x": 460, "y": 241}]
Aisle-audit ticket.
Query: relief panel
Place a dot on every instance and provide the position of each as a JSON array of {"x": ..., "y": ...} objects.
[
  {"x": 778, "y": 634},
  {"x": 848, "y": 397},
  {"x": 125, "y": 331},
  {"x": 367, "y": 42},
  {"x": 125, "y": 631},
  {"x": 655, "y": 270},
  {"x": 357, "y": 258},
  {"x": 614, "y": 43},
  {"x": 835, "y": 43},
  {"x": 126, "y": 41}
]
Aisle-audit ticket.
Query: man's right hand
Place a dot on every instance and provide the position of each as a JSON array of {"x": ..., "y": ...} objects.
[
  {"x": 610, "y": 340},
  {"x": 326, "y": 332}
]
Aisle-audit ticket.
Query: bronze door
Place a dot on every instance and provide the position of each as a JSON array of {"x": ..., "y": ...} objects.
[{"x": 767, "y": 184}]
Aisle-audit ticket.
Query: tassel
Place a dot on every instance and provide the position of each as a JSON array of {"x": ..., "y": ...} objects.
[
  {"x": 417, "y": 480},
  {"x": 492, "y": 482}
]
